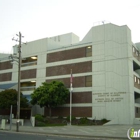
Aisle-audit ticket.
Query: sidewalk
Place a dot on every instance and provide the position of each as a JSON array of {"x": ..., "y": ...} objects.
[{"x": 112, "y": 131}]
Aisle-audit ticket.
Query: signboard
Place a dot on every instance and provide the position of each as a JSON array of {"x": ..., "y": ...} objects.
[{"x": 108, "y": 97}]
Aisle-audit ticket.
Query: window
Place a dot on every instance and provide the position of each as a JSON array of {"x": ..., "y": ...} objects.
[
  {"x": 135, "y": 79},
  {"x": 88, "y": 81},
  {"x": 29, "y": 61},
  {"x": 137, "y": 110},
  {"x": 138, "y": 81},
  {"x": 88, "y": 51},
  {"x": 28, "y": 97}
]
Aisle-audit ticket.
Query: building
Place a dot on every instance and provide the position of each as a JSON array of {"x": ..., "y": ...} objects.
[{"x": 106, "y": 71}]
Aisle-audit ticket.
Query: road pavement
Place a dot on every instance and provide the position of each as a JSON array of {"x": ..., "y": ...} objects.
[{"x": 21, "y": 136}]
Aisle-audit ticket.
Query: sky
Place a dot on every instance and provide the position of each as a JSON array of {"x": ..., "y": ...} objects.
[{"x": 37, "y": 19}]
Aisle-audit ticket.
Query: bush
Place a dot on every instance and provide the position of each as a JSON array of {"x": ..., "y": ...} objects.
[
  {"x": 104, "y": 120},
  {"x": 60, "y": 117},
  {"x": 84, "y": 120},
  {"x": 40, "y": 124},
  {"x": 39, "y": 117},
  {"x": 46, "y": 120},
  {"x": 64, "y": 122},
  {"x": 72, "y": 118}
]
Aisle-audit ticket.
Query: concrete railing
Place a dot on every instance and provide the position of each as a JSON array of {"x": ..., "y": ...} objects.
[
  {"x": 3, "y": 121},
  {"x": 32, "y": 121},
  {"x": 15, "y": 121}
]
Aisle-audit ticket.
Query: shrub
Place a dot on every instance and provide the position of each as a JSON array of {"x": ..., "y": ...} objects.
[
  {"x": 39, "y": 117},
  {"x": 40, "y": 124},
  {"x": 72, "y": 118},
  {"x": 46, "y": 120},
  {"x": 60, "y": 117},
  {"x": 104, "y": 120},
  {"x": 84, "y": 120},
  {"x": 64, "y": 122}
]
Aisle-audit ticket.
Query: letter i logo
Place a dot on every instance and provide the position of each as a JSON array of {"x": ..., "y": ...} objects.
[{"x": 132, "y": 133}]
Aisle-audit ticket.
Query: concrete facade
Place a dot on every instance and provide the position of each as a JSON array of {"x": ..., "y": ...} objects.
[{"x": 106, "y": 71}]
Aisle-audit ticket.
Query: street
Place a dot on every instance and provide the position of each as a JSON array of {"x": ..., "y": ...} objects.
[
  {"x": 21, "y": 136},
  {"x": 33, "y": 136}
]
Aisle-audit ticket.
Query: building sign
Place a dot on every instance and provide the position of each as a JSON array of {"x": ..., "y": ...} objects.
[
  {"x": 108, "y": 97},
  {"x": 131, "y": 134}
]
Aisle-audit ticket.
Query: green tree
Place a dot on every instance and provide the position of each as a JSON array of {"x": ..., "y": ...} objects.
[
  {"x": 50, "y": 95},
  {"x": 9, "y": 97}
]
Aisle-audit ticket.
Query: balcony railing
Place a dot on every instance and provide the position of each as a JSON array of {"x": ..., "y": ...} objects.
[
  {"x": 30, "y": 88},
  {"x": 29, "y": 64}
]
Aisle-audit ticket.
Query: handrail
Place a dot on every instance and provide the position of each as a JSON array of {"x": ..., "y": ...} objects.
[
  {"x": 27, "y": 88},
  {"x": 29, "y": 63}
]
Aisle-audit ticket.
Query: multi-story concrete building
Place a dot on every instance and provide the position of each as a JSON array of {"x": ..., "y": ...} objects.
[{"x": 106, "y": 71}]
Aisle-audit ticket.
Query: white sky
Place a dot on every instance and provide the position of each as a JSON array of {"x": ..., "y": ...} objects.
[{"x": 37, "y": 19}]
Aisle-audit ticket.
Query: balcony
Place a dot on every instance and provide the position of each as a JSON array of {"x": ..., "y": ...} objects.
[
  {"x": 136, "y": 82},
  {"x": 136, "y": 67},
  {"x": 137, "y": 97},
  {"x": 28, "y": 86},
  {"x": 136, "y": 53},
  {"x": 29, "y": 64},
  {"x": 137, "y": 104},
  {"x": 29, "y": 61}
]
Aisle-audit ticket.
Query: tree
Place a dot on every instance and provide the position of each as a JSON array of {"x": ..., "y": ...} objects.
[
  {"x": 9, "y": 97},
  {"x": 50, "y": 95}
]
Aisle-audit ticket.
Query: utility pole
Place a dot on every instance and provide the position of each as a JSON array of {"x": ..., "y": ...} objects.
[
  {"x": 71, "y": 89},
  {"x": 19, "y": 77}
]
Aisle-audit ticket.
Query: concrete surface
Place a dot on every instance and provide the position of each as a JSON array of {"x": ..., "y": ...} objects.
[{"x": 112, "y": 131}]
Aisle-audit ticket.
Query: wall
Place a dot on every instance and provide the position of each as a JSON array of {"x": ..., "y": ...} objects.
[
  {"x": 65, "y": 111},
  {"x": 65, "y": 69},
  {"x": 111, "y": 75},
  {"x": 5, "y": 77},
  {"x": 75, "y": 83},
  {"x": 65, "y": 39},
  {"x": 66, "y": 55}
]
